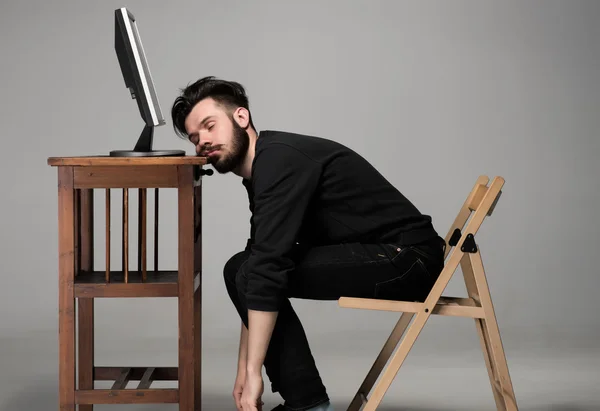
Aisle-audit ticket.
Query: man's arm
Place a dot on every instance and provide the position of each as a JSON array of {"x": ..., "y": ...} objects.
[
  {"x": 243, "y": 351},
  {"x": 261, "y": 324},
  {"x": 284, "y": 180}
]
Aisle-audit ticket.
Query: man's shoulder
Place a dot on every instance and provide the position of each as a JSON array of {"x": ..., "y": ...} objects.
[
  {"x": 298, "y": 140},
  {"x": 282, "y": 151},
  {"x": 311, "y": 146}
]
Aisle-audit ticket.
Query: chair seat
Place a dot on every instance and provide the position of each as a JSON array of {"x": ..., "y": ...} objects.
[{"x": 451, "y": 306}]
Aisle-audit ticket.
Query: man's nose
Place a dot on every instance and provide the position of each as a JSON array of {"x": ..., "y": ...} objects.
[
  {"x": 204, "y": 140},
  {"x": 202, "y": 146}
]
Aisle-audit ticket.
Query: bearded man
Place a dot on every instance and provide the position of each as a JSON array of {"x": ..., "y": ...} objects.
[{"x": 325, "y": 224}]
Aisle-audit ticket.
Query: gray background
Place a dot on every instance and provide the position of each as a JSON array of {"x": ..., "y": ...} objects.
[{"x": 433, "y": 93}]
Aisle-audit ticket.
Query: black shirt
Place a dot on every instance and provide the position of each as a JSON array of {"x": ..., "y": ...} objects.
[{"x": 314, "y": 191}]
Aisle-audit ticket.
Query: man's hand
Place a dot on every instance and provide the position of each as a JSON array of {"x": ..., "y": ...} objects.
[
  {"x": 252, "y": 393},
  {"x": 240, "y": 380},
  {"x": 238, "y": 389}
]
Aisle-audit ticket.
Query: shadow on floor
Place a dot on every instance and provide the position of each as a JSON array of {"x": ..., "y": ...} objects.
[
  {"x": 407, "y": 407},
  {"x": 42, "y": 395}
]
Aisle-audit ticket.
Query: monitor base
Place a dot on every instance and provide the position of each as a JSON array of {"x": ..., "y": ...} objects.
[
  {"x": 153, "y": 153},
  {"x": 143, "y": 147}
]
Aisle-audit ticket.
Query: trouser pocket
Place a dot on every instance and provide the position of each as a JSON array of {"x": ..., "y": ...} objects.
[{"x": 411, "y": 284}]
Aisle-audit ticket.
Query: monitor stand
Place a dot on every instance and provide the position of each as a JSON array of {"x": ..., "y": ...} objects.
[{"x": 143, "y": 148}]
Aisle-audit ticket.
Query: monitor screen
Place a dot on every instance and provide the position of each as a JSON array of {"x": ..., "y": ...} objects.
[{"x": 134, "y": 65}]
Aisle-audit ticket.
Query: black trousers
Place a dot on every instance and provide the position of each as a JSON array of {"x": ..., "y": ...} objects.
[{"x": 381, "y": 271}]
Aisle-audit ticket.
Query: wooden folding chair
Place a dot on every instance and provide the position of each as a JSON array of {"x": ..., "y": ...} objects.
[{"x": 461, "y": 240}]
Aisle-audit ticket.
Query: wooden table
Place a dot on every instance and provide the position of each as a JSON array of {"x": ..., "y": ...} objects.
[{"x": 79, "y": 282}]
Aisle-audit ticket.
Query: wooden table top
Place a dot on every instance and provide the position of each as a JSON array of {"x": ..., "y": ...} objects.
[{"x": 127, "y": 161}]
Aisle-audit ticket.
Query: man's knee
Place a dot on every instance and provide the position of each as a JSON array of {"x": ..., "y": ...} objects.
[{"x": 232, "y": 267}]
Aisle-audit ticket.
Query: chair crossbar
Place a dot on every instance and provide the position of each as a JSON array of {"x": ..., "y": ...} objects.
[
  {"x": 462, "y": 249},
  {"x": 450, "y": 306}
]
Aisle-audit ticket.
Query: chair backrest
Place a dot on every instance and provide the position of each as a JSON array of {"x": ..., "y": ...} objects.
[{"x": 479, "y": 204}]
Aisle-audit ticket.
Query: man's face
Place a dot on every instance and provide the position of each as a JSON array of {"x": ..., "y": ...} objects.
[{"x": 217, "y": 135}]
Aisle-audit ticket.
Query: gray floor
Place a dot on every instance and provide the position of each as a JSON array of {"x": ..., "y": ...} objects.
[{"x": 444, "y": 377}]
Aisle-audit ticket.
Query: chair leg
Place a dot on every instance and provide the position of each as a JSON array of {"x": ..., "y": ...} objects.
[
  {"x": 471, "y": 286},
  {"x": 411, "y": 334},
  {"x": 381, "y": 361},
  {"x": 397, "y": 360},
  {"x": 491, "y": 334}
]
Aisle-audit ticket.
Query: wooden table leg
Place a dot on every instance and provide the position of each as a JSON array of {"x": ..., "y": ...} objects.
[
  {"x": 85, "y": 306},
  {"x": 66, "y": 299},
  {"x": 198, "y": 297},
  {"x": 187, "y": 331}
]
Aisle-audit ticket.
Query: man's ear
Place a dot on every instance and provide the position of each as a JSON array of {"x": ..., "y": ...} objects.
[{"x": 242, "y": 116}]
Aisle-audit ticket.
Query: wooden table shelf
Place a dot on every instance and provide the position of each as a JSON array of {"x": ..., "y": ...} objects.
[
  {"x": 93, "y": 284},
  {"x": 80, "y": 283}
]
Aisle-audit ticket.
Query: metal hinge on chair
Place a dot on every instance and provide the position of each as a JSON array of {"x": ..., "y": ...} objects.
[
  {"x": 468, "y": 246},
  {"x": 455, "y": 237}
]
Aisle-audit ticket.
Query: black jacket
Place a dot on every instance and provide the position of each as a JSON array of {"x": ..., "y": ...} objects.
[{"x": 314, "y": 191}]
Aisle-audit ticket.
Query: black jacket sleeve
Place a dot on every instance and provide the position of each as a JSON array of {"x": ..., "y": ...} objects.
[{"x": 283, "y": 181}]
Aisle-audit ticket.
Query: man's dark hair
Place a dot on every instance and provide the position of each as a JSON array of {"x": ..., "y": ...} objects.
[{"x": 228, "y": 94}]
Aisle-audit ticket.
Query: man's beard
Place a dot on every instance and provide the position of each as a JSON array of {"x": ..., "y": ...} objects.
[{"x": 240, "y": 142}]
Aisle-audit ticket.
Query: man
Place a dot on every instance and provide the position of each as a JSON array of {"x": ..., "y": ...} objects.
[{"x": 324, "y": 224}]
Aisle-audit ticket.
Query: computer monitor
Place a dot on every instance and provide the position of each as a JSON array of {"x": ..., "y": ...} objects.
[{"x": 134, "y": 67}]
